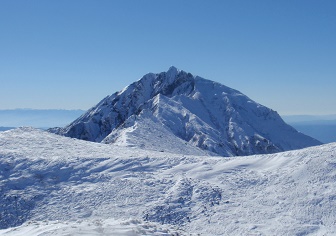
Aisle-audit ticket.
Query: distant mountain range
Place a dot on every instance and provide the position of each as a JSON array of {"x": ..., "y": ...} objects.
[
  {"x": 176, "y": 105},
  {"x": 37, "y": 118},
  {"x": 323, "y": 127},
  {"x": 310, "y": 119}
]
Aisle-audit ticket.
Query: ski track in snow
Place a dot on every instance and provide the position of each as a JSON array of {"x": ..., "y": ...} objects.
[{"x": 54, "y": 185}]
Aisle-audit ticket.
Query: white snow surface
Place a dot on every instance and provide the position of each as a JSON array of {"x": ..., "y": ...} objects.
[
  {"x": 90, "y": 227},
  {"x": 54, "y": 185}
]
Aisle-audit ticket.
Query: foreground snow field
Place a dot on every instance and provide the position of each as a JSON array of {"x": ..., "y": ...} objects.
[{"x": 56, "y": 185}]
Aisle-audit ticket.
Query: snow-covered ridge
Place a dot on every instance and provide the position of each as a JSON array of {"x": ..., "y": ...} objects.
[
  {"x": 188, "y": 109},
  {"x": 90, "y": 187}
]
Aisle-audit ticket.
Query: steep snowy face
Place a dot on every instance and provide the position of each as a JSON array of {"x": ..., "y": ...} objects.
[{"x": 186, "y": 109}]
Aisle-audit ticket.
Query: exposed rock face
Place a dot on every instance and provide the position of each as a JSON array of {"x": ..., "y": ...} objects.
[{"x": 176, "y": 110}]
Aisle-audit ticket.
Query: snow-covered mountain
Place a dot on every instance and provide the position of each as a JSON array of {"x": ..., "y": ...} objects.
[
  {"x": 193, "y": 111},
  {"x": 54, "y": 185}
]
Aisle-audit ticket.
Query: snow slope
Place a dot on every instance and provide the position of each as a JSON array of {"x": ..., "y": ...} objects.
[
  {"x": 190, "y": 110},
  {"x": 99, "y": 189}
]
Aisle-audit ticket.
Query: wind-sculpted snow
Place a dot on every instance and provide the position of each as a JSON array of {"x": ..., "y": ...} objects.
[
  {"x": 198, "y": 112},
  {"x": 57, "y": 185},
  {"x": 185, "y": 201}
]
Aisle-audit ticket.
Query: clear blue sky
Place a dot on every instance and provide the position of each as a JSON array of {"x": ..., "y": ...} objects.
[{"x": 71, "y": 53}]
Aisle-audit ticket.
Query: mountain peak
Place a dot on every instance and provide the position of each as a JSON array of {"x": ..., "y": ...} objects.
[
  {"x": 173, "y": 69},
  {"x": 175, "y": 105},
  {"x": 172, "y": 74}
]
